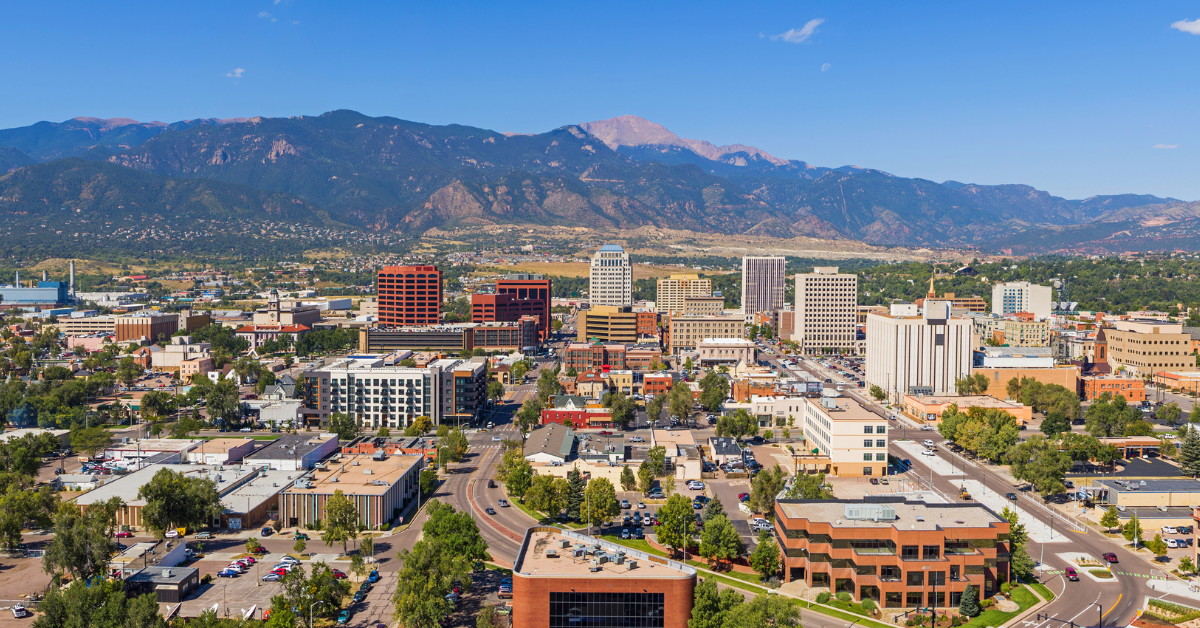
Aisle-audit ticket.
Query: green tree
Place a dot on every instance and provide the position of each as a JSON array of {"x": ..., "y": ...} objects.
[
  {"x": 185, "y": 427},
  {"x": 1157, "y": 545},
  {"x": 313, "y": 590},
  {"x": 174, "y": 500},
  {"x": 764, "y": 610},
  {"x": 969, "y": 607},
  {"x": 645, "y": 477},
  {"x": 1019, "y": 561},
  {"x": 420, "y": 425},
  {"x": 429, "y": 480},
  {"x": 1189, "y": 453},
  {"x": 428, "y": 572},
  {"x": 367, "y": 547},
  {"x": 714, "y": 390},
  {"x": 341, "y": 520},
  {"x": 299, "y": 546},
  {"x": 1186, "y": 565},
  {"x": 765, "y": 558},
  {"x": 1133, "y": 531},
  {"x": 600, "y": 502},
  {"x": 520, "y": 478},
  {"x": 719, "y": 540},
  {"x": 456, "y": 445},
  {"x": 495, "y": 390},
  {"x": 540, "y": 496},
  {"x": 763, "y": 488},
  {"x": 678, "y": 523},
  {"x": 91, "y": 440},
  {"x": 1170, "y": 413},
  {"x": 1111, "y": 518},
  {"x": 487, "y": 617},
  {"x": 713, "y": 508},
  {"x": 629, "y": 481},
  {"x": 809, "y": 487},
  {"x": 680, "y": 401},
  {"x": 1056, "y": 424},
  {"x": 711, "y": 606},
  {"x": 83, "y": 539},
  {"x": 1039, "y": 462},
  {"x": 455, "y": 531},
  {"x": 102, "y": 604},
  {"x": 656, "y": 459}
]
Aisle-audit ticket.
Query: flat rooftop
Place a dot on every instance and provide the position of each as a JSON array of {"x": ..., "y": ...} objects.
[
  {"x": 532, "y": 560},
  {"x": 254, "y": 493},
  {"x": 1153, "y": 486},
  {"x": 217, "y": 445},
  {"x": 843, "y": 409},
  {"x": 156, "y": 444},
  {"x": 967, "y": 401},
  {"x": 227, "y": 478},
  {"x": 358, "y": 475},
  {"x": 909, "y": 515},
  {"x": 290, "y": 446}
]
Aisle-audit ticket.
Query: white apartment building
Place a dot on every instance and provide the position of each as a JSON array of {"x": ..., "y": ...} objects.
[
  {"x": 1021, "y": 296},
  {"x": 379, "y": 394},
  {"x": 850, "y": 440},
  {"x": 917, "y": 354},
  {"x": 611, "y": 279},
  {"x": 763, "y": 280},
  {"x": 673, "y": 290},
  {"x": 826, "y": 311},
  {"x": 181, "y": 349}
]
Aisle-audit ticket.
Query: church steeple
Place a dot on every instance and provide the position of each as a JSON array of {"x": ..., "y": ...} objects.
[{"x": 932, "y": 294}]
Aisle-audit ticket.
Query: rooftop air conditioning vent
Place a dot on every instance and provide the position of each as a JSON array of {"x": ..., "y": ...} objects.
[{"x": 632, "y": 565}]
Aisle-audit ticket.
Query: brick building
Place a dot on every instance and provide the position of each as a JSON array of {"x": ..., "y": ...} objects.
[
  {"x": 563, "y": 578},
  {"x": 528, "y": 287},
  {"x": 1133, "y": 389},
  {"x": 409, "y": 295}
]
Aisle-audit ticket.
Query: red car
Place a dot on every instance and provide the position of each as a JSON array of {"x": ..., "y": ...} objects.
[
  {"x": 260, "y": 550},
  {"x": 743, "y": 496},
  {"x": 279, "y": 572},
  {"x": 338, "y": 575},
  {"x": 1110, "y": 557},
  {"x": 605, "y": 433},
  {"x": 123, "y": 534}
]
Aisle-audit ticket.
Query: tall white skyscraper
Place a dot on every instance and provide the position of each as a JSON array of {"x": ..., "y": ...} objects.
[
  {"x": 611, "y": 278},
  {"x": 762, "y": 284},
  {"x": 911, "y": 351},
  {"x": 826, "y": 311},
  {"x": 1021, "y": 296}
]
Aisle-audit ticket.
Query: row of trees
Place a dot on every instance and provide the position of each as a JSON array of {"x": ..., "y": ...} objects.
[{"x": 450, "y": 544}]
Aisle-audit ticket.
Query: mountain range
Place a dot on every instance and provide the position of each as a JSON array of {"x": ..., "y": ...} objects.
[{"x": 382, "y": 173}]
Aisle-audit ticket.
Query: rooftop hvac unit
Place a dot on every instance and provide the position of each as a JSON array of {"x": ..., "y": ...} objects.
[
  {"x": 620, "y": 560},
  {"x": 367, "y": 472},
  {"x": 632, "y": 564},
  {"x": 1162, "y": 508},
  {"x": 551, "y": 553},
  {"x": 334, "y": 479},
  {"x": 166, "y": 573},
  {"x": 577, "y": 553},
  {"x": 564, "y": 543},
  {"x": 355, "y": 463},
  {"x": 602, "y": 558},
  {"x": 595, "y": 565}
]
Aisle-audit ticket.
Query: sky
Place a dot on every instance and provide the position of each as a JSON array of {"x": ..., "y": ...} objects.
[{"x": 1075, "y": 98}]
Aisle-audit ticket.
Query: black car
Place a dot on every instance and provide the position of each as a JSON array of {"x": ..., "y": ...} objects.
[
  {"x": 1011, "y": 496},
  {"x": 491, "y": 511},
  {"x": 638, "y": 534}
]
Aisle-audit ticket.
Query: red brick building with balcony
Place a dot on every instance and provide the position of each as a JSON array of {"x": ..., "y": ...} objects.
[
  {"x": 531, "y": 288},
  {"x": 647, "y": 323},
  {"x": 900, "y": 554},
  {"x": 409, "y": 295}
]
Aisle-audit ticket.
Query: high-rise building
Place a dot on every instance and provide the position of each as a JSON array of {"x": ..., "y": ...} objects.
[
  {"x": 826, "y": 311},
  {"x": 611, "y": 279},
  {"x": 917, "y": 353},
  {"x": 674, "y": 289},
  {"x": 409, "y": 295},
  {"x": 1021, "y": 296},
  {"x": 532, "y": 287},
  {"x": 762, "y": 284}
]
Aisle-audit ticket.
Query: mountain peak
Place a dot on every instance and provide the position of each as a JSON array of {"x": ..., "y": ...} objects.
[
  {"x": 108, "y": 124},
  {"x": 631, "y": 130}
]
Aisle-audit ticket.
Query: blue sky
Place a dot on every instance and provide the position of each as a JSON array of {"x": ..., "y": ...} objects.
[{"x": 1071, "y": 98}]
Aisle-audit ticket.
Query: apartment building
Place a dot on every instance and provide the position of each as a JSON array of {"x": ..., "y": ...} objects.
[
  {"x": 409, "y": 295},
  {"x": 452, "y": 338},
  {"x": 610, "y": 281},
  {"x": 763, "y": 280},
  {"x": 844, "y": 439},
  {"x": 380, "y": 486},
  {"x": 583, "y": 356},
  {"x": 1133, "y": 389},
  {"x": 901, "y": 554},
  {"x": 826, "y": 311},
  {"x": 607, "y": 323},
  {"x": 1144, "y": 347},
  {"x": 1022, "y": 296},
  {"x": 519, "y": 335},
  {"x": 917, "y": 353},
  {"x": 685, "y": 332},
  {"x": 674, "y": 289},
  {"x": 703, "y": 306},
  {"x": 148, "y": 324}
]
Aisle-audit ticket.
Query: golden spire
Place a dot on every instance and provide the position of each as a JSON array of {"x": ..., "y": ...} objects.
[{"x": 932, "y": 294}]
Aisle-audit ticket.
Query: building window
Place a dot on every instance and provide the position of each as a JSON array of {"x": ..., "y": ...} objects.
[
  {"x": 881, "y": 443},
  {"x": 914, "y": 598},
  {"x": 867, "y": 457},
  {"x": 867, "y": 442},
  {"x": 893, "y": 599},
  {"x": 909, "y": 552},
  {"x": 867, "y": 429},
  {"x": 931, "y": 552},
  {"x": 866, "y": 470},
  {"x": 916, "y": 578},
  {"x": 880, "y": 457}
]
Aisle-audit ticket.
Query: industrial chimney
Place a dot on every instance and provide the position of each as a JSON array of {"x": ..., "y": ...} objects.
[{"x": 72, "y": 285}]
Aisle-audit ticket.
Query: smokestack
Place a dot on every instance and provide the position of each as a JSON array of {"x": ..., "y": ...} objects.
[
  {"x": 72, "y": 286},
  {"x": 18, "y": 279},
  {"x": 44, "y": 276}
]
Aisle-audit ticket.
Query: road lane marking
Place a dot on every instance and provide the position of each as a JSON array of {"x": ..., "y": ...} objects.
[{"x": 1110, "y": 609}]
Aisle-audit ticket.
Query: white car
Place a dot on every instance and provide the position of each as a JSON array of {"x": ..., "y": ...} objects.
[
  {"x": 928, "y": 443},
  {"x": 496, "y": 439},
  {"x": 928, "y": 452},
  {"x": 19, "y": 611},
  {"x": 760, "y": 525},
  {"x": 172, "y": 533},
  {"x": 696, "y": 485},
  {"x": 289, "y": 559},
  {"x": 1169, "y": 530},
  {"x": 1172, "y": 543}
]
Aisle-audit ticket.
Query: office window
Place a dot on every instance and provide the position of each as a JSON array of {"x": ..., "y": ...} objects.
[
  {"x": 909, "y": 552},
  {"x": 867, "y": 442},
  {"x": 880, "y": 429},
  {"x": 867, "y": 457},
  {"x": 881, "y": 443},
  {"x": 931, "y": 552},
  {"x": 880, "y": 457},
  {"x": 866, "y": 470},
  {"x": 914, "y": 599},
  {"x": 916, "y": 578},
  {"x": 867, "y": 429}
]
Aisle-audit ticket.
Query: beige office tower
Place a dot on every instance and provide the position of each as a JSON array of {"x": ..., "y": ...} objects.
[
  {"x": 611, "y": 278},
  {"x": 674, "y": 289},
  {"x": 826, "y": 311},
  {"x": 762, "y": 284}
]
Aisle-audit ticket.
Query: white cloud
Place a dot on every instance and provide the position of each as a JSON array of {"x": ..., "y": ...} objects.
[
  {"x": 235, "y": 73},
  {"x": 263, "y": 14},
  {"x": 1192, "y": 27},
  {"x": 801, "y": 35},
  {"x": 1166, "y": 146},
  {"x": 825, "y": 67}
]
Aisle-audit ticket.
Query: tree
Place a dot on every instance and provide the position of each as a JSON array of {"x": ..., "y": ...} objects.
[
  {"x": 540, "y": 496},
  {"x": 971, "y": 385},
  {"x": 656, "y": 459},
  {"x": 1020, "y": 563},
  {"x": 737, "y": 425},
  {"x": 1109, "y": 416},
  {"x": 712, "y": 509},
  {"x": 341, "y": 520},
  {"x": 1170, "y": 413},
  {"x": 714, "y": 391},
  {"x": 678, "y": 523},
  {"x": 427, "y": 574},
  {"x": 629, "y": 481},
  {"x": 1056, "y": 423},
  {"x": 299, "y": 547},
  {"x": 419, "y": 426},
  {"x": 185, "y": 427},
  {"x": 174, "y": 500},
  {"x": 83, "y": 539},
  {"x": 600, "y": 502},
  {"x": 624, "y": 409},
  {"x": 223, "y": 402},
  {"x": 495, "y": 390},
  {"x": 1111, "y": 518},
  {"x": 91, "y": 440},
  {"x": 520, "y": 478},
  {"x": 455, "y": 531},
  {"x": 574, "y": 493},
  {"x": 1186, "y": 565},
  {"x": 654, "y": 408},
  {"x": 711, "y": 606},
  {"x": 645, "y": 475},
  {"x": 383, "y": 432},
  {"x": 1039, "y": 462},
  {"x": 1133, "y": 531},
  {"x": 969, "y": 607},
  {"x": 763, "y": 488},
  {"x": 1189, "y": 453},
  {"x": 765, "y": 558},
  {"x": 429, "y": 480},
  {"x": 680, "y": 401},
  {"x": 719, "y": 541},
  {"x": 251, "y": 544},
  {"x": 487, "y": 617},
  {"x": 358, "y": 566},
  {"x": 102, "y": 604},
  {"x": 316, "y": 592},
  {"x": 456, "y": 445},
  {"x": 809, "y": 487},
  {"x": 1158, "y": 546},
  {"x": 156, "y": 403},
  {"x": 367, "y": 547}
]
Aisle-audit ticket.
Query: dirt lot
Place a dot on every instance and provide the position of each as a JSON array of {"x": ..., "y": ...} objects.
[{"x": 20, "y": 576}]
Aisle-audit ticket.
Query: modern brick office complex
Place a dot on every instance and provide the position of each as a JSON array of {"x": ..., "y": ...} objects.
[
  {"x": 565, "y": 579},
  {"x": 409, "y": 295},
  {"x": 900, "y": 554}
]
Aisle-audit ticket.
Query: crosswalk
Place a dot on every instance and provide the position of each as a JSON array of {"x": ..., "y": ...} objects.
[{"x": 1059, "y": 572}]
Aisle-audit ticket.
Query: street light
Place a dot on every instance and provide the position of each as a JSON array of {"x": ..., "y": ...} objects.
[{"x": 310, "y": 611}]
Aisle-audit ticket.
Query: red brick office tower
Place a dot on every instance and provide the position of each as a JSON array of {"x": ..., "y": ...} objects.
[
  {"x": 409, "y": 295},
  {"x": 533, "y": 287}
]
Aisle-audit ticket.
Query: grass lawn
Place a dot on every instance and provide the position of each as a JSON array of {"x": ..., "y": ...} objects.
[
  {"x": 737, "y": 584},
  {"x": 852, "y": 607},
  {"x": 637, "y": 544},
  {"x": 993, "y": 617},
  {"x": 853, "y": 619},
  {"x": 1042, "y": 590},
  {"x": 543, "y": 518}
]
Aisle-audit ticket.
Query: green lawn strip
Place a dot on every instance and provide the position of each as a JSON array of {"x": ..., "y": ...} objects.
[
  {"x": 1042, "y": 590},
  {"x": 752, "y": 578},
  {"x": 832, "y": 612},
  {"x": 544, "y": 519},
  {"x": 993, "y": 617},
  {"x": 494, "y": 567},
  {"x": 637, "y": 544},
  {"x": 737, "y": 584}
]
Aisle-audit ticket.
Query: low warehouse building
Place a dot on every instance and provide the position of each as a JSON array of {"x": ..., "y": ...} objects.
[
  {"x": 172, "y": 585},
  {"x": 381, "y": 487}
]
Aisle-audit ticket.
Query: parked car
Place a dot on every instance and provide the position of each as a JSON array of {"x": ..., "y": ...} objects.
[
  {"x": 928, "y": 443},
  {"x": 299, "y": 536},
  {"x": 696, "y": 485},
  {"x": 344, "y": 617},
  {"x": 1172, "y": 543},
  {"x": 1110, "y": 557},
  {"x": 19, "y": 611},
  {"x": 227, "y": 573},
  {"x": 1072, "y": 575},
  {"x": 290, "y": 559},
  {"x": 123, "y": 534},
  {"x": 641, "y": 505},
  {"x": 272, "y": 577},
  {"x": 624, "y": 504},
  {"x": 626, "y": 534},
  {"x": 267, "y": 531},
  {"x": 260, "y": 550},
  {"x": 743, "y": 497},
  {"x": 358, "y": 597},
  {"x": 760, "y": 525},
  {"x": 338, "y": 574},
  {"x": 1169, "y": 530},
  {"x": 638, "y": 534}
]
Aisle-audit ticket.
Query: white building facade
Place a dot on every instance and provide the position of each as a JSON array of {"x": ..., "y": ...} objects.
[
  {"x": 826, "y": 311},
  {"x": 923, "y": 354},
  {"x": 610, "y": 281},
  {"x": 1021, "y": 296}
]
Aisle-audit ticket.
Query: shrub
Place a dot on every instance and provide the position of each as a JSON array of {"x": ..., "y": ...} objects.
[
  {"x": 773, "y": 582},
  {"x": 843, "y": 596},
  {"x": 910, "y": 622},
  {"x": 988, "y": 603},
  {"x": 1005, "y": 588},
  {"x": 956, "y": 621},
  {"x": 206, "y": 579},
  {"x": 868, "y": 605},
  {"x": 823, "y": 597}
]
